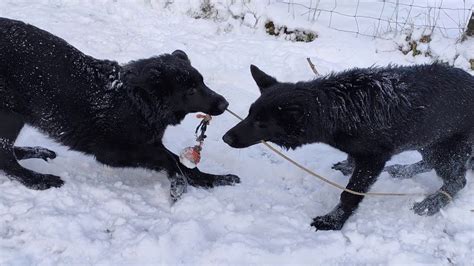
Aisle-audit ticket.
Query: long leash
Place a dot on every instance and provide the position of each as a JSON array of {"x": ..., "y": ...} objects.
[{"x": 334, "y": 184}]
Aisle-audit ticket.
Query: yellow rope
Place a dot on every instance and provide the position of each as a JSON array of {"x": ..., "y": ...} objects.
[{"x": 334, "y": 184}]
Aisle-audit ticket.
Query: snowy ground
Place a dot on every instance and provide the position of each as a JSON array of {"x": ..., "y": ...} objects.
[{"x": 113, "y": 216}]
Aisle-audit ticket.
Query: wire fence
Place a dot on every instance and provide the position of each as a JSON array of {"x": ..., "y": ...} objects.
[{"x": 386, "y": 18}]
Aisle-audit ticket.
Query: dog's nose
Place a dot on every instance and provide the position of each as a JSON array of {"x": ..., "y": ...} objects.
[
  {"x": 228, "y": 138},
  {"x": 223, "y": 105}
]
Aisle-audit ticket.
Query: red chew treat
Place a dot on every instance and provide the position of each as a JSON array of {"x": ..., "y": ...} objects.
[{"x": 190, "y": 156}]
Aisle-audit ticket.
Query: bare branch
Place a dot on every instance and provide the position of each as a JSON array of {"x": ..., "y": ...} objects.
[{"x": 313, "y": 67}]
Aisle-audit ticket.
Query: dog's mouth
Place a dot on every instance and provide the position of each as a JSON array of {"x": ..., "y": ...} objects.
[
  {"x": 236, "y": 143},
  {"x": 287, "y": 142},
  {"x": 176, "y": 118},
  {"x": 215, "y": 112}
]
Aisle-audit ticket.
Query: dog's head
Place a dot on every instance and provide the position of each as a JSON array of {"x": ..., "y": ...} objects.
[
  {"x": 279, "y": 115},
  {"x": 168, "y": 86}
]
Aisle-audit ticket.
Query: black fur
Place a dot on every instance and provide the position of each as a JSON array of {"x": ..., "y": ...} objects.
[
  {"x": 371, "y": 114},
  {"x": 397, "y": 170},
  {"x": 98, "y": 107}
]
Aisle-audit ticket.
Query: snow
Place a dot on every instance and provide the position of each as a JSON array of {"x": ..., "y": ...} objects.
[{"x": 110, "y": 216}]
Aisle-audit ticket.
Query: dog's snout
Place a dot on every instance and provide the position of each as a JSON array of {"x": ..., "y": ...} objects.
[
  {"x": 228, "y": 138},
  {"x": 223, "y": 106}
]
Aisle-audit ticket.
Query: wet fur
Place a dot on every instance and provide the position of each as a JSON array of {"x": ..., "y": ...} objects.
[
  {"x": 118, "y": 113},
  {"x": 401, "y": 171},
  {"x": 371, "y": 114}
]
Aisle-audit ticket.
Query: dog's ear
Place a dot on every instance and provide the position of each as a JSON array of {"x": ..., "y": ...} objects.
[
  {"x": 261, "y": 78},
  {"x": 182, "y": 55}
]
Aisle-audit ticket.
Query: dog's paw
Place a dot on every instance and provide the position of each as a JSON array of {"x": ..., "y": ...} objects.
[
  {"x": 178, "y": 186},
  {"x": 398, "y": 171},
  {"x": 226, "y": 180},
  {"x": 344, "y": 166},
  {"x": 43, "y": 181},
  {"x": 431, "y": 204},
  {"x": 327, "y": 222}
]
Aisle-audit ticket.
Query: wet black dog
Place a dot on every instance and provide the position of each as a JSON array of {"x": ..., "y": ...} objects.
[
  {"x": 98, "y": 107},
  {"x": 371, "y": 114}
]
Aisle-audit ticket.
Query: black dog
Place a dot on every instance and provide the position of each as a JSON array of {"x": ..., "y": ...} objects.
[
  {"x": 98, "y": 107},
  {"x": 371, "y": 114}
]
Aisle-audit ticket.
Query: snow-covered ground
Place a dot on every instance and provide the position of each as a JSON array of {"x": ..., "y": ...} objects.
[{"x": 111, "y": 216}]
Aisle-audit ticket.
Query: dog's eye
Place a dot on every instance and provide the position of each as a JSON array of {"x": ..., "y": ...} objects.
[{"x": 191, "y": 91}]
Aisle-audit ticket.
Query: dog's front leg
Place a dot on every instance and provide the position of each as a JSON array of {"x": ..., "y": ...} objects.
[
  {"x": 194, "y": 176},
  {"x": 158, "y": 158},
  {"x": 153, "y": 157},
  {"x": 366, "y": 171},
  {"x": 176, "y": 171}
]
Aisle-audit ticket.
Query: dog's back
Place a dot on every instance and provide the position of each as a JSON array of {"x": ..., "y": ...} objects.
[
  {"x": 441, "y": 100},
  {"x": 51, "y": 84},
  {"x": 406, "y": 107},
  {"x": 447, "y": 101}
]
